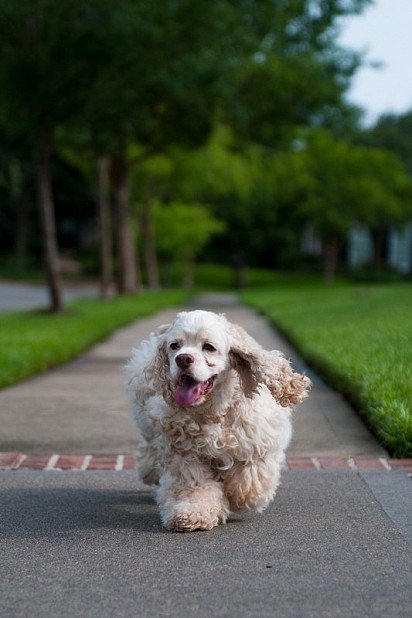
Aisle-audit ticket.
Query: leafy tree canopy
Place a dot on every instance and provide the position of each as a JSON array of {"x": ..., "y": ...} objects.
[
  {"x": 347, "y": 183},
  {"x": 183, "y": 229},
  {"x": 391, "y": 132},
  {"x": 299, "y": 74}
]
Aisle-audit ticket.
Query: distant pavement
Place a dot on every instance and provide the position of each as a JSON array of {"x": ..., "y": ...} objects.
[{"x": 18, "y": 295}]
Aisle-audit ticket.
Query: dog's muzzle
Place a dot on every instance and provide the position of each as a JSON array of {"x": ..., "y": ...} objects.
[{"x": 188, "y": 390}]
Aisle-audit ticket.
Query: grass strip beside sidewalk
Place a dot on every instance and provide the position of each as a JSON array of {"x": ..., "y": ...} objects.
[
  {"x": 360, "y": 339},
  {"x": 32, "y": 342}
]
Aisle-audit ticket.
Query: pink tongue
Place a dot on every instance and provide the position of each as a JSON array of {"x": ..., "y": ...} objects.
[{"x": 186, "y": 395}]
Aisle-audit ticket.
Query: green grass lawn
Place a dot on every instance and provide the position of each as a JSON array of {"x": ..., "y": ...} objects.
[
  {"x": 31, "y": 342},
  {"x": 360, "y": 339}
]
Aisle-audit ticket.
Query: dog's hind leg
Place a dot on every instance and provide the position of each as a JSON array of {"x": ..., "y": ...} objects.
[
  {"x": 252, "y": 485},
  {"x": 148, "y": 466},
  {"x": 189, "y": 497}
]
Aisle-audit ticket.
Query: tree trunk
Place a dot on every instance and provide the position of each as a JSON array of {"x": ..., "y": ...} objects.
[
  {"x": 19, "y": 202},
  {"x": 240, "y": 270},
  {"x": 189, "y": 272},
  {"x": 330, "y": 260},
  {"x": 379, "y": 247},
  {"x": 23, "y": 206},
  {"x": 105, "y": 225},
  {"x": 51, "y": 255},
  {"x": 150, "y": 256},
  {"x": 128, "y": 271}
]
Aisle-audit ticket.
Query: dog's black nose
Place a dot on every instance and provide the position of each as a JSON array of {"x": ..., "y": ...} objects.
[{"x": 184, "y": 360}]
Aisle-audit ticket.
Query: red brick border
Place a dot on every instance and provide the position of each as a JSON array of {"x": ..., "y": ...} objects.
[{"x": 117, "y": 462}]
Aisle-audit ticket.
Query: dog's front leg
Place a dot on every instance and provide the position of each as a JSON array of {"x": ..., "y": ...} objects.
[{"x": 189, "y": 497}]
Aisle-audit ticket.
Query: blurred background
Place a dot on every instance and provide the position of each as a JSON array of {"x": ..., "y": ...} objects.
[{"x": 187, "y": 142}]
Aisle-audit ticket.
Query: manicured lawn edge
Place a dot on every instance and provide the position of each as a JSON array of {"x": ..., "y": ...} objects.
[
  {"x": 33, "y": 342},
  {"x": 394, "y": 433},
  {"x": 335, "y": 379}
]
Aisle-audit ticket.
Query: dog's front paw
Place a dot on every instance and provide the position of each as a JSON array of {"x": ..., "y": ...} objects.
[{"x": 189, "y": 521}]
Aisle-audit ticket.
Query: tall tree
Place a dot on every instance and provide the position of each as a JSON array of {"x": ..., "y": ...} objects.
[
  {"x": 153, "y": 90},
  {"x": 346, "y": 183},
  {"x": 158, "y": 73},
  {"x": 150, "y": 182},
  {"x": 80, "y": 151},
  {"x": 105, "y": 224},
  {"x": 393, "y": 133},
  {"x": 182, "y": 230},
  {"x": 128, "y": 279},
  {"x": 50, "y": 52}
]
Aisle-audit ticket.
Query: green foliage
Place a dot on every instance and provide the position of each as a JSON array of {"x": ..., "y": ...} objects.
[
  {"x": 154, "y": 79},
  {"x": 217, "y": 169},
  {"x": 33, "y": 342},
  {"x": 360, "y": 339},
  {"x": 345, "y": 183},
  {"x": 182, "y": 230},
  {"x": 394, "y": 133},
  {"x": 237, "y": 181},
  {"x": 160, "y": 71},
  {"x": 214, "y": 277},
  {"x": 266, "y": 198},
  {"x": 275, "y": 92},
  {"x": 49, "y": 55}
]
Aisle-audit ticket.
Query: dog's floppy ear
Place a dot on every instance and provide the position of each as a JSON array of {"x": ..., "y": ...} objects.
[
  {"x": 156, "y": 372},
  {"x": 257, "y": 366},
  {"x": 148, "y": 368}
]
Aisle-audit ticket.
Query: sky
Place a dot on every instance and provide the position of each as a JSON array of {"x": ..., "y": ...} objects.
[{"x": 384, "y": 31}]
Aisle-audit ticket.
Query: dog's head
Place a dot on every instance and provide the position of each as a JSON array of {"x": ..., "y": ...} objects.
[
  {"x": 200, "y": 348},
  {"x": 193, "y": 355}
]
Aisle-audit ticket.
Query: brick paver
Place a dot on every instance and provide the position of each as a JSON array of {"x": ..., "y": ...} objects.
[
  {"x": 333, "y": 462},
  {"x": 9, "y": 460},
  {"x": 402, "y": 464},
  {"x": 118, "y": 462},
  {"x": 103, "y": 462},
  {"x": 70, "y": 462},
  {"x": 35, "y": 462},
  {"x": 369, "y": 464}
]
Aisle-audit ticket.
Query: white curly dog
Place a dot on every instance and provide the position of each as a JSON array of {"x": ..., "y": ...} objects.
[{"x": 213, "y": 412}]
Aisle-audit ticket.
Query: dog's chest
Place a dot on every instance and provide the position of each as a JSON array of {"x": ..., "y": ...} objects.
[{"x": 210, "y": 440}]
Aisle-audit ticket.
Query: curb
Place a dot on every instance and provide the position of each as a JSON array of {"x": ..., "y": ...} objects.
[{"x": 118, "y": 462}]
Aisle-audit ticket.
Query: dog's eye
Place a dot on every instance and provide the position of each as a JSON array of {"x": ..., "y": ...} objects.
[
  {"x": 175, "y": 345},
  {"x": 209, "y": 347}
]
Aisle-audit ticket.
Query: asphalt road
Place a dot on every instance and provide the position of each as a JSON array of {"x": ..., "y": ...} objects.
[{"x": 88, "y": 544}]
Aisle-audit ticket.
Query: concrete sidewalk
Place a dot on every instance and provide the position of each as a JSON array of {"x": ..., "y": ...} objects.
[
  {"x": 90, "y": 544},
  {"x": 82, "y": 407}
]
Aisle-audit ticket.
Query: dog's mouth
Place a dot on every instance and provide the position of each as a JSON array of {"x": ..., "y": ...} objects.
[{"x": 188, "y": 390}]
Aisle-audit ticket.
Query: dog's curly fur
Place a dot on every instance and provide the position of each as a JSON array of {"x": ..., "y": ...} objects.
[{"x": 223, "y": 446}]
